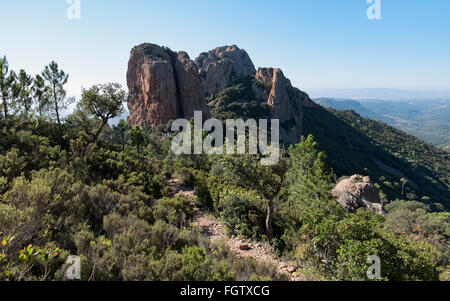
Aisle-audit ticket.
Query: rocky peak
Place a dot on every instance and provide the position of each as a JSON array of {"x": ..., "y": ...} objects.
[
  {"x": 285, "y": 102},
  {"x": 265, "y": 74},
  {"x": 358, "y": 192},
  {"x": 163, "y": 85},
  {"x": 222, "y": 66}
]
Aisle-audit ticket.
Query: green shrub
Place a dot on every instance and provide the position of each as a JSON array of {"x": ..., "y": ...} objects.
[
  {"x": 177, "y": 211},
  {"x": 243, "y": 213}
]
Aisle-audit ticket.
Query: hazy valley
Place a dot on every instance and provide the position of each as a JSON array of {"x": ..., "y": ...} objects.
[{"x": 426, "y": 118}]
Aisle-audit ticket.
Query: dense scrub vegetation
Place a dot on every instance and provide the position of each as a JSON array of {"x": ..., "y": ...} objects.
[
  {"x": 239, "y": 101},
  {"x": 75, "y": 186},
  {"x": 311, "y": 228}
]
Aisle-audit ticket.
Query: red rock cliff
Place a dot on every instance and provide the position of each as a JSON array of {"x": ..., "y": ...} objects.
[{"x": 163, "y": 85}]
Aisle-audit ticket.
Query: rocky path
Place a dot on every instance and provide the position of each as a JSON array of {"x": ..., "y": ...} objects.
[{"x": 242, "y": 248}]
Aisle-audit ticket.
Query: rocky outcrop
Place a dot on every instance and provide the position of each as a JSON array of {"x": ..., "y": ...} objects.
[
  {"x": 163, "y": 85},
  {"x": 222, "y": 66},
  {"x": 358, "y": 192},
  {"x": 191, "y": 95},
  {"x": 285, "y": 102}
]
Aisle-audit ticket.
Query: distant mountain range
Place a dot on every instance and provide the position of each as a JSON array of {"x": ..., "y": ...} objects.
[
  {"x": 428, "y": 119},
  {"x": 116, "y": 120},
  {"x": 375, "y": 93}
]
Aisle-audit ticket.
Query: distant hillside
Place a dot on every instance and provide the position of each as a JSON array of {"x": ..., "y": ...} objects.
[
  {"x": 348, "y": 104},
  {"x": 428, "y": 119},
  {"x": 115, "y": 121},
  {"x": 374, "y": 93}
]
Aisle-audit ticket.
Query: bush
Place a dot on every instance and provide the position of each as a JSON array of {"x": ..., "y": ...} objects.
[
  {"x": 150, "y": 183},
  {"x": 243, "y": 213},
  {"x": 177, "y": 211},
  {"x": 204, "y": 199}
]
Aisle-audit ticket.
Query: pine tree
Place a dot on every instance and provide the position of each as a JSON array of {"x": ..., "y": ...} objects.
[
  {"x": 313, "y": 210},
  {"x": 40, "y": 94},
  {"x": 119, "y": 132},
  {"x": 137, "y": 139},
  {"x": 8, "y": 86},
  {"x": 24, "y": 82},
  {"x": 308, "y": 178},
  {"x": 55, "y": 81}
]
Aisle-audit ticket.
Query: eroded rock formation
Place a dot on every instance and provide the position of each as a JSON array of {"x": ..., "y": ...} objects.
[
  {"x": 163, "y": 85},
  {"x": 285, "y": 102},
  {"x": 358, "y": 192},
  {"x": 222, "y": 66}
]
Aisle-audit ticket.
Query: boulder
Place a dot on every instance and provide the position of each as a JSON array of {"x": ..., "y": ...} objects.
[
  {"x": 244, "y": 247},
  {"x": 358, "y": 192}
]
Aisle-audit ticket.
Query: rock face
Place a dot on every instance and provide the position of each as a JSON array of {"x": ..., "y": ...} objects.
[
  {"x": 162, "y": 85},
  {"x": 285, "y": 102},
  {"x": 165, "y": 85},
  {"x": 222, "y": 66},
  {"x": 358, "y": 192},
  {"x": 191, "y": 95}
]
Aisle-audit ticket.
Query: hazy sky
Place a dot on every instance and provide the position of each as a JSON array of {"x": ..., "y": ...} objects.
[{"x": 317, "y": 43}]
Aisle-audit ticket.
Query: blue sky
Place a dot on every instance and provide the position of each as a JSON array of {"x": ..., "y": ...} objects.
[{"x": 317, "y": 43}]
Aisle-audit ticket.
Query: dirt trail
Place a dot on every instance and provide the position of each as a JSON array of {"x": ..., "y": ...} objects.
[{"x": 242, "y": 248}]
